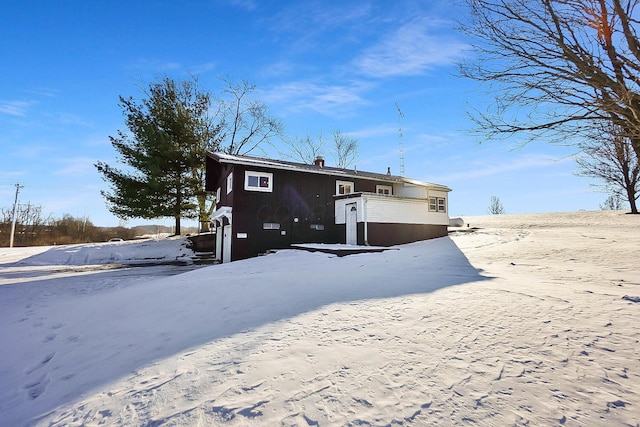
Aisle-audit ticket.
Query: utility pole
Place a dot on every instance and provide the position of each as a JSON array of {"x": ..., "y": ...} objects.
[{"x": 13, "y": 215}]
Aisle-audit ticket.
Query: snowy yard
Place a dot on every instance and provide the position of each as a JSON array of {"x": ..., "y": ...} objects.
[{"x": 523, "y": 321}]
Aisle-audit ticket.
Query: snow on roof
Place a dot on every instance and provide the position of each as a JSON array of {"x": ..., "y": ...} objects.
[{"x": 324, "y": 170}]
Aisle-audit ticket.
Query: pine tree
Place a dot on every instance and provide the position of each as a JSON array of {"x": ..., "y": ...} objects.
[{"x": 164, "y": 153}]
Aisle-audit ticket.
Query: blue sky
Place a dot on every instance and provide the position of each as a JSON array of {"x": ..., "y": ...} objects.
[{"x": 318, "y": 65}]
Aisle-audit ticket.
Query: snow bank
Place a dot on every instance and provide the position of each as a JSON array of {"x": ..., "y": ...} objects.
[
  {"x": 125, "y": 252},
  {"x": 523, "y": 321}
]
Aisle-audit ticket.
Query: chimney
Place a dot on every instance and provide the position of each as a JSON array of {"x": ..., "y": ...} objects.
[
  {"x": 319, "y": 161},
  {"x": 389, "y": 171}
]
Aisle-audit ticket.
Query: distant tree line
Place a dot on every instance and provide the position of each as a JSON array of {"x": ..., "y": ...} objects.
[{"x": 33, "y": 228}]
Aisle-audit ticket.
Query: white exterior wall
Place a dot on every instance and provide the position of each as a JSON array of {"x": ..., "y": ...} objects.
[
  {"x": 408, "y": 190},
  {"x": 389, "y": 209},
  {"x": 341, "y": 212}
]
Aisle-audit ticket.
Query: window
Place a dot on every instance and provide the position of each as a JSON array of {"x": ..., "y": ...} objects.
[
  {"x": 271, "y": 226},
  {"x": 229, "y": 183},
  {"x": 318, "y": 227},
  {"x": 437, "y": 204},
  {"x": 258, "y": 181},
  {"x": 344, "y": 187},
  {"x": 386, "y": 190},
  {"x": 433, "y": 204}
]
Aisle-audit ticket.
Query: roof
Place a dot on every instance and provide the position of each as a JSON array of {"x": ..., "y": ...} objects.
[{"x": 322, "y": 170}]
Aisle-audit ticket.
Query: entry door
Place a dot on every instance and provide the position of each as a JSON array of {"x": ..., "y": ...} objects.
[
  {"x": 226, "y": 243},
  {"x": 351, "y": 215},
  {"x": 219, "y": 234}
]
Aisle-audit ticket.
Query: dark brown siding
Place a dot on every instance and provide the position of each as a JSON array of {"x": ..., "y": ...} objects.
[
  {"x": 298, "y": 201},
  {"x": 397, "y": 234}
]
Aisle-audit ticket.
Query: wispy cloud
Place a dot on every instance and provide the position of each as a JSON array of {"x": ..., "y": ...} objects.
[
  {"x": 150, "y": 65},
  {"x": 326, "y": 99},
  {"x": 411, "y": 50},
  {"x": 77, "y": 166},
  {"x": 15, "y": 108},
  {"x": 308, "y": 24},
  {"x": 43, "y": 91},
  {"x": 491, "y": 168},
  {"x": 374, "y": 132}
]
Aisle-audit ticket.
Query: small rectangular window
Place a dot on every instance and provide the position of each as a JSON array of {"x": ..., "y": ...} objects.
[
  {"x": 318, "y": 227},
  {"x": 258, "y": 181},
  {"x": 386, "y": 190},
  {"x": 271, "y": 226},
  {"x": 344, "y": 187},
  {"x": 229, "y": 183},
  {"x": 433, "y": 204}
]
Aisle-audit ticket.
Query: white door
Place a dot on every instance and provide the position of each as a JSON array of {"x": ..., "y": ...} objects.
[
  {"x": 219, "y": 234},
  {"x": 351, "y": 216},
  {"x": 226, "y": 243}
]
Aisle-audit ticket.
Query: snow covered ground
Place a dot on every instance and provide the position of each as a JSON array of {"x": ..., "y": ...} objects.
[{"x": 529, "y": 319}]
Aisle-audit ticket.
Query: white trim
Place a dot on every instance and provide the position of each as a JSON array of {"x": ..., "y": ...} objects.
[
  {"x": 229, "y": 182},
  {"x": 335, "y": 172},
  {"x": 222, "y": 212},
  {"x": 351, "y": 185},
  {"x": 260, "y": 176},
  {"x": 380, "y": 189}
]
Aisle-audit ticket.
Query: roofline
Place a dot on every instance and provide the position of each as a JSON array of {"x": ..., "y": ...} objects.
[{"x": 327, "y": 170}]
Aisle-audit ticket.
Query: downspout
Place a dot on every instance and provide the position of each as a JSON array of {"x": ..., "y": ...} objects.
[{"x": 364, "y": 217}]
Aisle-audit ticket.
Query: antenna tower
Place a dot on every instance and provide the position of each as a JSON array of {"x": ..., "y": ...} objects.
[{"x": 400, "y": 143}]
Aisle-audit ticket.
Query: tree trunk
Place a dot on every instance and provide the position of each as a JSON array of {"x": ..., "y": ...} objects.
[
  {"x": 632, "y": 200},
  {"x": 635, "y": 143},
  {"x": 177, "y": 231}
]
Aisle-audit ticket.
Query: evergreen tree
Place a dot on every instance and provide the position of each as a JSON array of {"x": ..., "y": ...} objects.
[{"x": 164, "y": 154}]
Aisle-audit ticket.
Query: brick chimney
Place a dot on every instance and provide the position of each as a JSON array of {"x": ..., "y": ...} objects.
[{"x": 319, "y": 161}]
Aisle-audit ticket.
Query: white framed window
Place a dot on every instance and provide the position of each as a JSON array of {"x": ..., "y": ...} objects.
[
  {"x": 218, "y": 196},
  {"x": 386, "y": 190},
  {"x": 229, "y": 183},
  {"x": 258, "y": 181},
  {"x": 344, "y": 187},
  {"x": 318, "y": 227},
  {"x": 437, "y": 204},
  {"x": 433, "y": 204},
  {"x": 270, "y": 226}
]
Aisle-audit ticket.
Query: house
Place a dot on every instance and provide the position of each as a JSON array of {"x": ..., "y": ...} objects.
[{"x": 267, "y": 204}]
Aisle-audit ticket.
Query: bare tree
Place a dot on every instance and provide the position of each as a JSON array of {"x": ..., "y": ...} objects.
[
  {"x": 495, "y": 206},
  {"x": 609, "y": 157},
  {"x": 612, "y": 203},
  {"x": 246, "y": 122},
  {"x": 304, "y": 149},
  {"x": 345, "y": 149},
  {"x": 556, "y": 67}
]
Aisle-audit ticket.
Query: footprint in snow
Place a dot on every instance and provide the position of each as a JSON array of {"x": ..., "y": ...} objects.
[{"x": 36, "y": 388}]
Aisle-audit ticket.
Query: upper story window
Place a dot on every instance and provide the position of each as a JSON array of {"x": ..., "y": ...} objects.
[
  {"x": 437, "y": 204},
  {"x": 229, "y": 183},
  {"x": 386, "y": 190},
  {"x": 258, "y": 181},
  {"x": 344, "y": 187}
]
